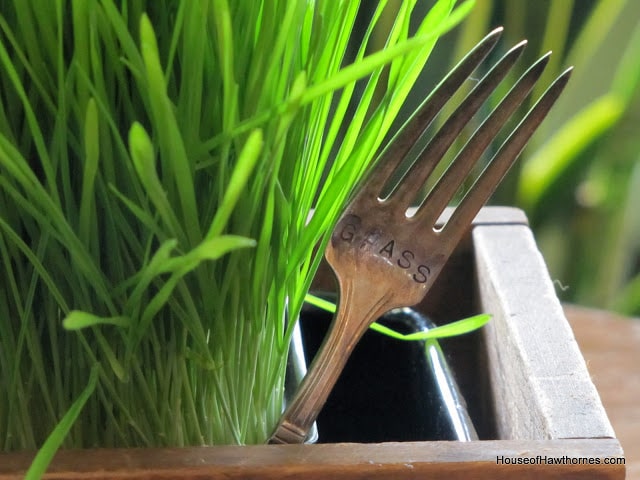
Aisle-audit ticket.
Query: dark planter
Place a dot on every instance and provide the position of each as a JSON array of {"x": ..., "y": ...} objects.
[{"x": 390, "y": 390}]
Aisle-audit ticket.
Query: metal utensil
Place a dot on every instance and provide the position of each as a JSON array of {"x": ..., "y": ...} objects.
[{"x": 385, "y": 259}]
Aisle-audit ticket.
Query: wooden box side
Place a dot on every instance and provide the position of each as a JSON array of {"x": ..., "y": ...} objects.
[
  {"x": 553, "y": 459},
  {"x": 538, "y": 377}
]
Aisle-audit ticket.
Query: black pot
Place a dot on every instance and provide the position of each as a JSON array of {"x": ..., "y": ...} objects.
[{"x": 390, "y": 390}]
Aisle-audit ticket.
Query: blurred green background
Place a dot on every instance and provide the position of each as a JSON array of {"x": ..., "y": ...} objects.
[{"x": 579, "y": 178}]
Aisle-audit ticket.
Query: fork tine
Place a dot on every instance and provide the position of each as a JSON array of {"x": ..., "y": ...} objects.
[
  {"x": 494, "y": 172},
  {"x": 401, "y": 143},
  {"x": 455, "y": 174},
  {"x": 405, "y": 191}
]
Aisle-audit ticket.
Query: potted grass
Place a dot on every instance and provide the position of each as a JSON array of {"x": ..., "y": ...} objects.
[{"x": 159, "y": 162}]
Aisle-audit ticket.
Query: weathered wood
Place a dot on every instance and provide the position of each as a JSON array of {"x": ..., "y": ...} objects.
[
  {"x": 539, "y": 380},
  {"x": 452, "y": 460},
  {"x": 610, "y": 345}
]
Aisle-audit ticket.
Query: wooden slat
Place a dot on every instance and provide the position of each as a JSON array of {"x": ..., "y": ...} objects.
[
  {"x": 494, "y": 215},
  {"x": 452, "y": 460},
  {"x": 539, "y": 379}
]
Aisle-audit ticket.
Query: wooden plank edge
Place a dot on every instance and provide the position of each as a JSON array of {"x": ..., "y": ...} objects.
[
  {"x": 540, "y": 382},
  {"x": 491, "y": 215},
  {"x": 591, "y": 458}
]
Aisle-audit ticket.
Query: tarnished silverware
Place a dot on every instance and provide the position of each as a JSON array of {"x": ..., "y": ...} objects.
[{"x": 385, "y": 259}]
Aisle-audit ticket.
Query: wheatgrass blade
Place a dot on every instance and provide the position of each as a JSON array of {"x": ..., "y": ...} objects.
[
  {"x": 32, "y": 122},
  {"x": 458, "y": 327},
  {"x": 173, "y": 153},
  {"x": 23, "y": 60},
  {"x": 144, "y": 162},
  {"x": 56, "y": 438},
  {"x": 92, "y": 154},
  {"x": 247, "y": 159}
]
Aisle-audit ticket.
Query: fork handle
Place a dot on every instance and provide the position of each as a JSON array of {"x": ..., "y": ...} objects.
[{"x": 324, "y": 372}]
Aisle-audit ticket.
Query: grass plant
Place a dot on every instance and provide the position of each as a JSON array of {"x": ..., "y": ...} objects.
[
  {"x": 159, "y": 161},
  {"x": 452, "y": 329}
]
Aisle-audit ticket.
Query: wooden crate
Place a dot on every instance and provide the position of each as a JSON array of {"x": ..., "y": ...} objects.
[{"x": 524, "y": 378}]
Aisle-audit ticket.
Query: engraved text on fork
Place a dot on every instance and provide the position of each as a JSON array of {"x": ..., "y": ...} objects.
[{"x": 381, "y": 245}]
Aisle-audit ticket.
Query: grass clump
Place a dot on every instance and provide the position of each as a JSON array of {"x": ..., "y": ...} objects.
[{"x": 158, "y": 165}]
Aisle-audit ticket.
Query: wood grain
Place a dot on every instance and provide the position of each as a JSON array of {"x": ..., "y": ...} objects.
[
  {"x": 611, "y": 347},
  {"x": 540, "y": 383},
  {"x": 411, "y": 460}
]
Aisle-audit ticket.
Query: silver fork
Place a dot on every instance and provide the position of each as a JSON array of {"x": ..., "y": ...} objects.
[{"x": 385, "y": 259}]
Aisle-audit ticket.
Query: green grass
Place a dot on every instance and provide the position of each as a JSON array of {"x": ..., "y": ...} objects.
[
  {"x": 452, "y": 329},
  {"x": 158, "y": 165}
]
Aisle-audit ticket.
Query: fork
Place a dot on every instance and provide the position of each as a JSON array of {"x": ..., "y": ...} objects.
[{"x": 385, "y": 258}]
